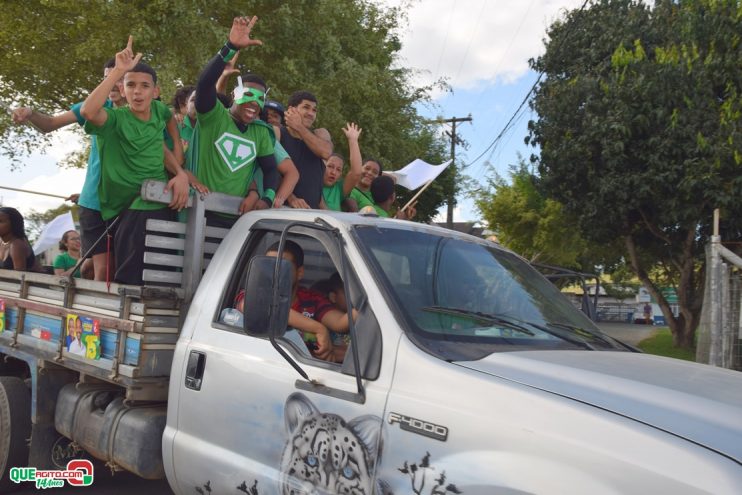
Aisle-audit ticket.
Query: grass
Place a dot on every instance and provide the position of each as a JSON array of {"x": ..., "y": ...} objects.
[{"x": 660, "y": 344}]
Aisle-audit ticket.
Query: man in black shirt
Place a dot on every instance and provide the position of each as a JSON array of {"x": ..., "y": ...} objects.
[{"x": 306, "y": 147}]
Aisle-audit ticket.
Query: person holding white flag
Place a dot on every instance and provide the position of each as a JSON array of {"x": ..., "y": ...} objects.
[
  {"x": 382, "y": 190},
  {"x": 15, "y": 250}
]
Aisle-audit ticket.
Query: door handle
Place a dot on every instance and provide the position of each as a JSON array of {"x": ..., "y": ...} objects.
[{"x": 195, "y": 370}]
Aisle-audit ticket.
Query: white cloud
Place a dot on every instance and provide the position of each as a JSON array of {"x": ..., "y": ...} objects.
[
  {"x": 62, "y": 183},
  {"x": 476, "y": 42}
]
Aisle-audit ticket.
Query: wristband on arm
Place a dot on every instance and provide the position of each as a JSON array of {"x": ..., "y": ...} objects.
[
  {"x": 269, "y": 196},
  {"x": 228, "y": 51}
]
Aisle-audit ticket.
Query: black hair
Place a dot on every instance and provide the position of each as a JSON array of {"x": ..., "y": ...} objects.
[
  {"x": 299, "y": 96},
  {"x": 337, "y": 155},
  {"x": 335, "y": 282},
  {"x": 371, "y": 159},
  {"x": 275, "y": 106},
  {"x": 17, "y": 225},
  {"x": 146, "y": 69},
  {"x": 382, "y": 188},
  {"x": 332, "y": 284},
  {"x": 63, "y": 241},
  {"x": 110, "y": 64},
  {"x": 180, "y": 98},
  {"x": 254, "y": 78},
  {"x": 296, "y": 251}
]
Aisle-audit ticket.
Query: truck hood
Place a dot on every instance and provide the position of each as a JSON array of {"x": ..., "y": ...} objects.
[{"x": 697, "y": 402}]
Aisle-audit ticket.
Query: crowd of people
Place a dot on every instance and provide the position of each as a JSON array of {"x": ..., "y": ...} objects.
[{"x": 240, "y": 144}]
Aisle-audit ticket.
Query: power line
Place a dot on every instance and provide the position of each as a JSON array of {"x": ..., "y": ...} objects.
[
  {"x": 445, "y": 38},
  {"x": 522, "y": 103}
]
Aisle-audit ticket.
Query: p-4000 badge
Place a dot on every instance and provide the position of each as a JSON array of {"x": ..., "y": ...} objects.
[{"x": 419, "y": 426}]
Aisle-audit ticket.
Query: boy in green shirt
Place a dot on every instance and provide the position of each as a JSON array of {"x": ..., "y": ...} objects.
[
  {"x": 132, "y": 151},
  {"x": 382, "y": 190}
]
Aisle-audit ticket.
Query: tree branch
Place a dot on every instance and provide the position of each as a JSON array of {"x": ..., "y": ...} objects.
[{"x": 653, "y": 228}]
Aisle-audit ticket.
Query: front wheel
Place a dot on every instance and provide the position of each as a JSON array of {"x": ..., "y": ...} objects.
[{"x": 15, "y": 428}]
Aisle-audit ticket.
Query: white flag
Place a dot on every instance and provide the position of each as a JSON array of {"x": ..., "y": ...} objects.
[
  {"x": 417, "y": 173},
  {"x": 53, "y": 232}
]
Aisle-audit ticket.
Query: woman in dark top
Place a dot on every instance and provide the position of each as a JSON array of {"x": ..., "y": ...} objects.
[{"x": 15, "y": 250}]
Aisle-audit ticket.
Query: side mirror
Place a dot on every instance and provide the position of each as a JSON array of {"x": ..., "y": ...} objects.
[{"x": 263, "y": 315}]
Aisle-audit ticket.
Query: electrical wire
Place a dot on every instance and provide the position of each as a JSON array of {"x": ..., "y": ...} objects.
[{"x": 511, "y": 120}]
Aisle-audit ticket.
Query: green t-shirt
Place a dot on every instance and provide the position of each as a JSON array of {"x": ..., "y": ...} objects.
[
  {"x": 130, "y": 153},
  {"x": 225, "y": 157},
  {"x": 381, "y": 211},
  {"x": 186, "y": 133},
  {"x": 65, "y": 262},
  {"x": 333, "y": 195},
  {"x": 362, "y": 198}
]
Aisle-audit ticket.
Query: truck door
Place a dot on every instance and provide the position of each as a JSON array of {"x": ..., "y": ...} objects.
[{"x": 247, "y": 422}]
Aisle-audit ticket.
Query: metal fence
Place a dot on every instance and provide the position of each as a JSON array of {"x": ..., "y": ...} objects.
[{"x": 719, "y": 335}]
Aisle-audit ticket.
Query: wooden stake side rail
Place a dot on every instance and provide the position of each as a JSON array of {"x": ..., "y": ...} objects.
[
  {"x": 139, "y": 328},
  {"x": 108, "y": 322}
]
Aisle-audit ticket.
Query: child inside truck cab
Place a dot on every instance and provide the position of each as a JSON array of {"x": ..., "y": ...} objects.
[
  {"x": 311, "y": 312},
  {"x": 334, "y": 289}
]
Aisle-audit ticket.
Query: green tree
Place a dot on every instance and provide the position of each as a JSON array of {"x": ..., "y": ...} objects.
[
  {"x": 537, "y": 227},
  {"x": 639, "y": 130},
  {"x": 344, "y": 51}
]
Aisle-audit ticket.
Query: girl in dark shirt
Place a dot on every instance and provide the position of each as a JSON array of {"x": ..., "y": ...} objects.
[{"x": 15, "y": 250}]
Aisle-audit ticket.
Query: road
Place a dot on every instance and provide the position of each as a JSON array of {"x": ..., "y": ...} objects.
[{"x": 629, "y": 333}]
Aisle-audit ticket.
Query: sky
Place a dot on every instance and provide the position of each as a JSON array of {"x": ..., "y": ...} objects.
[{"x": 481, "y": 48}]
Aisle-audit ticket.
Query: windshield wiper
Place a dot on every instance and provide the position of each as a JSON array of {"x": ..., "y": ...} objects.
[
  {"x": 479, "y": 316},
  {"x": 583, "y": 332}
]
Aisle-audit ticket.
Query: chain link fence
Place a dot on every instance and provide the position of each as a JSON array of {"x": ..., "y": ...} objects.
[{"x": 719, "y": 335}]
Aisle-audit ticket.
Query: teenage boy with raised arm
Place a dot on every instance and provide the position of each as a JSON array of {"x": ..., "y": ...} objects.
[{"x": 131, "y": 152}]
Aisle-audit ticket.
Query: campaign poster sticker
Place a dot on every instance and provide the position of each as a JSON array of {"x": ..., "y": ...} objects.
[
  {"x": 74, "y": 340},
  {"x": 91, "y": 337}
]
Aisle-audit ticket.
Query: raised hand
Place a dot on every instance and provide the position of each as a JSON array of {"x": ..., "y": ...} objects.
[
  {"x": 239, "y": 35},
  {"x": 21, "y": 115},
  {"x": 293, "y": 119},
  {"x": 125, "y": 59},
  {"x": 352, "y": 131}
]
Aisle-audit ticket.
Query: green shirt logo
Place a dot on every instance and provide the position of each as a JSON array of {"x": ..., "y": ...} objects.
[{"x": 236, "y": 151}]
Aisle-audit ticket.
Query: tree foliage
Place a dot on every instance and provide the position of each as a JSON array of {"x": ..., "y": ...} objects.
[
  {"x": 530, "y": 224},
  {"x": 639, "y": 129},
  {"x": 341, "y": 50}
]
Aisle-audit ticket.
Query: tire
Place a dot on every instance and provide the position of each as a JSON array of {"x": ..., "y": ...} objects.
[{"x": 15, "y": 428}]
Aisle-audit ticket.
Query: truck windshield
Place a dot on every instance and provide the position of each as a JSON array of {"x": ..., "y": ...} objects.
[{"x": 464, "y": 299}]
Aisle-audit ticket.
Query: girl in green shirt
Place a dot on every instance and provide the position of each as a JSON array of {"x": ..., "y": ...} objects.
[
  {"x": 334, "y": 190},
  {"x": 70, "y": 255}
]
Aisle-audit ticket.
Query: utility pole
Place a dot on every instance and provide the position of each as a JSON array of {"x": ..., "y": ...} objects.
[{"x": 454, "y": 141}]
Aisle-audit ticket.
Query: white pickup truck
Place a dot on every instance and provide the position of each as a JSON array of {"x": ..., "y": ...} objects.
[{"x": 467, "y": 372}]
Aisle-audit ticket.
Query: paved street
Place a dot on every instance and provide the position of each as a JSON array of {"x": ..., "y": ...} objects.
[{"x": 629, "y": 333}]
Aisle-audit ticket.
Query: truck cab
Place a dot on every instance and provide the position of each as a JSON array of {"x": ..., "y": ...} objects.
[{"x": 474, "y": 375}]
